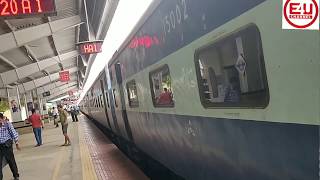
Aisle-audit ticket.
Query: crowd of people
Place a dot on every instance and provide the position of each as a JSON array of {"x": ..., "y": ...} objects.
[{"x": 8, "y": 135}]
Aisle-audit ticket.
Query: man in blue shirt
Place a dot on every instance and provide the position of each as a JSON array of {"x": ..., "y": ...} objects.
[{"x": 7, "y": 135}]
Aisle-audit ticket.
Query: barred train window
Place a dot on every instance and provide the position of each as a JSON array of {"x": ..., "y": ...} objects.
[
  {"x": 100, "y": 98},
  {"x": 161, "y": 89},
  {"x": 115, "y": 97},
  {"x": 107, "y": 96},
  {"x": 132, "y": 94},
  {"x": 231, "y": 71},
  {"x": 97, "y": 101}
]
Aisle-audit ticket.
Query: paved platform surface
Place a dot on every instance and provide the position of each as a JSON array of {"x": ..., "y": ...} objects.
[{"x": 90, "y": 157}]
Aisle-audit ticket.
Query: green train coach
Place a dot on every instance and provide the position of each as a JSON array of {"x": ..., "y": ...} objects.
[{"x": 215, "y": 90}]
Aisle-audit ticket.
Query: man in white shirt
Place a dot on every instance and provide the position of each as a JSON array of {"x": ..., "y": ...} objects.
[{"x": 55, "y": 116}]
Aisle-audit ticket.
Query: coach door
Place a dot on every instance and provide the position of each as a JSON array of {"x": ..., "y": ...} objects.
[
  {"x": 90, "y": 101},
  {"x": 106, "y": 103},
  {"x": 122, "y": 107}
]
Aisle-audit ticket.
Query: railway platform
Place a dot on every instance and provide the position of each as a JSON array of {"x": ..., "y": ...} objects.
[{"x": 91, "y": 156}]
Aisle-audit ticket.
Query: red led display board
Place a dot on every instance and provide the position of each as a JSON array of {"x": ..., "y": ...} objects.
[
  {"x": 21, "y": 8},
  {"x": 90, "y": 47},
  {"x": 144, "y": 41},
  {"x": 64, "y": 76}
]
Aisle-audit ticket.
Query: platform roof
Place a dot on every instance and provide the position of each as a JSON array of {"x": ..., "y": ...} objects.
[{"x": 34, "y": 50}]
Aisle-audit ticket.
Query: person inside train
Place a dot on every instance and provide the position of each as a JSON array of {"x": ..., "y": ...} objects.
[
  {"x": 165, "y": 97},
  {"x": 233, "y": 90}
]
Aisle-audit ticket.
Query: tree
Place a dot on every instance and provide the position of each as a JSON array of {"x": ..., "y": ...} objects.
[{"x": 4, "y": 105}]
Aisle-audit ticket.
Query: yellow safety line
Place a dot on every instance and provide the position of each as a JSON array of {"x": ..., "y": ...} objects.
[
  {"x": 88, "y": 170},
  {"x": 58, "y": 164}
]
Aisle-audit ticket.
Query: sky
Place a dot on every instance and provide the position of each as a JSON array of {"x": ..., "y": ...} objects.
[{"x": 126, "y": 17}]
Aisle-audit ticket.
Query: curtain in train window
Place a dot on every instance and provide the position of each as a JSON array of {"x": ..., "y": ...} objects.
[
  {"x": 132, "y": 94},
  {"x": 231, "y": 71},
  {"x": 161, "y": 88}
]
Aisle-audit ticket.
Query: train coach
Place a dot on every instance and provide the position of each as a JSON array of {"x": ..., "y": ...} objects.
[{"x": 215, "y": 90}]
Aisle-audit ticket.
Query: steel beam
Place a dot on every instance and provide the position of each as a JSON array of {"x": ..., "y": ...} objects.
[
  {"x": 106, "y": 19},
  {"x": 25, "y": 71},
  {"x": 50, "y": 87},
  {"x": 28, "y": 86},
  {"x": 62, "y": 92},
  {"x": 61, "y": 88},
  {"x": 21, "y": 37}
]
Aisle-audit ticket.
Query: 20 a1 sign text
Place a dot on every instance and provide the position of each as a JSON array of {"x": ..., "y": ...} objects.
[
  {"x": 90, "y": 47},
  {"x": 20, "y": 8}
]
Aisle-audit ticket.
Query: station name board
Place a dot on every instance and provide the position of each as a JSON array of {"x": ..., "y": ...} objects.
[
  {"x": 90, "y": 47},
  {"x": 21, "y": 8}
]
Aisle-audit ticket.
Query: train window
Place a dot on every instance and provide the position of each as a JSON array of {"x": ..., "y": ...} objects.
[
  {"x": 110, "y": 74},
  {"x": 161, "y": 89},
  {"x": 107, "y": 99},
  {"x": 98, "y": 101},
  {"x": 231, "y": 71},
  {"x": 92, "y": 99},
  {"x": 101, "y": 100},
  {"x": 115, "y": 97},
  {"x": 132, "y": 94}
]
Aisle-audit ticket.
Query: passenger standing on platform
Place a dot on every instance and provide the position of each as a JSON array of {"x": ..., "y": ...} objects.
[
  {"x": 7, "y": 135},
  {"x": 55, "y": 116},
  {"x": 74, "y": 114},
  {"x": 64, "y": 123},
  {"x": 36, "y": 121}
]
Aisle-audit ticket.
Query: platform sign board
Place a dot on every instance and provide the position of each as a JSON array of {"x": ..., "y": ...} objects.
[
  {"x": 70, "y": 93},
  {"x": 90, "y": 47},
  {"x": 46, "y": 94},
  {"x": 23, "y": 8},
  {"x": 64, "y": 76}
]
